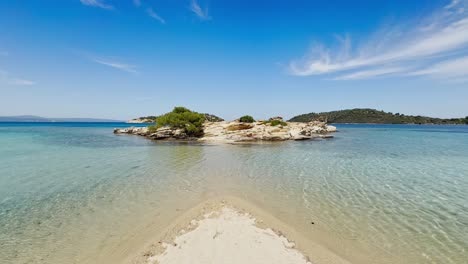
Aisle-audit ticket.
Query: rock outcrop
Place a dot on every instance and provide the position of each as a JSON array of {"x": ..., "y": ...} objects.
[
  {"x": 235, "y": 131},
  {"x": 159, "y": 134},
  {"x": 263, "y": 131},
  {"x": 141, "y": 131}
]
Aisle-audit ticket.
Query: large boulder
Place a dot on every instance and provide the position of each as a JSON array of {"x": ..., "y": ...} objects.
[
  {"x": 331, "y": 129},
  {"x": 168, "y": 133},
  {"x": 132, "y": 130}
]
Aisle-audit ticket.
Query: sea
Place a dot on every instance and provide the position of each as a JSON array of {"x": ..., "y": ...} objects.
[{"x": 76, "y": 192}]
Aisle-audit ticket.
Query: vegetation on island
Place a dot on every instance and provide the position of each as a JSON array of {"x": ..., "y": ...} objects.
[
  {"x": 181, "y": 118},
  {"x": 246, "y": 119},
  {"x": 147, "y": 117},
  {"x": 208, "y": 117},
  {"x": 275, "y": 122},
  {"x": 367, "y": 115},
  {"x": 212, "y": 118}
]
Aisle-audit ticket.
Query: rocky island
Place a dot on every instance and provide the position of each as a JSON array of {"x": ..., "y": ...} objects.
[{"x": 183, "y": 124}]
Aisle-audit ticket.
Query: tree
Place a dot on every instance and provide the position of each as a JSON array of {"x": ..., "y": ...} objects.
[
  {"x": 247, "y": 119},
  {"x": 182, "y": 118}
]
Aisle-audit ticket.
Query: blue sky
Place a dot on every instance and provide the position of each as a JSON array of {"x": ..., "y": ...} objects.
[{"x": 128, "y": 58}]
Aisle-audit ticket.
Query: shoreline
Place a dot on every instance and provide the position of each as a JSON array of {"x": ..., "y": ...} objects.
[{"x": 154, "y": 246}]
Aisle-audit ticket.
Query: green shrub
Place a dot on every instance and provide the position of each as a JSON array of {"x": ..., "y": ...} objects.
[
  {"x": 190, "y": 122},
  {"x": 180, "y": 110},
  {"x": 277, "y": 122},
  {"x": 152, "y": 129},
  {"x": 247, "y": 119}
]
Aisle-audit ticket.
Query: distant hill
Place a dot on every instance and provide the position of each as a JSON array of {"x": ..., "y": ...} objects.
[
  {"x": 31, "y": 118},
  {"x": 373, "y": 116}
]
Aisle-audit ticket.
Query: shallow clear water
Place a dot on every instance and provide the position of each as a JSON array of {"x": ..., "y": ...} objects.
[{"x": 70, "y": 193}]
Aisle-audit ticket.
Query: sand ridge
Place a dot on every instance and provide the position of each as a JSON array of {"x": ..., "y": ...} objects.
[
  {"x": 231, "y": 237},
  {"x": 231, "y": 230}
]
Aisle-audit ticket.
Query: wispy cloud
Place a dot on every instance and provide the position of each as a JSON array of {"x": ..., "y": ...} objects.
[
  {"x": 97, "y": 3},
  {"x": 17, "y": 81},
  {"x": 452, "y": 4},
  {"x": 366, "y": 74},
  {"x": 438, "y": 36},
  {"x": 452, "y": 69},
  {"x": 200, "y": 12},
  {"x": 154, "y": 15},
  {"x": 115, "y": 64},
  {"x": 5, "y": 77},
  {"x": 137, "y": 2}
]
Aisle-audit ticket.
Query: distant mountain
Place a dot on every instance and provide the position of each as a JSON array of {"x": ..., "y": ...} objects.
[
  {"x": 31, "y": 118},
  {"x": 373, "y": 116}
]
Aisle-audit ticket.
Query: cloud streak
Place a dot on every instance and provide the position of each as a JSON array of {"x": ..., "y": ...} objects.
[
  {"x": 97, "y": 3},
  {"x": 154, "y": 15},
  {"x": 452, "y": 69},
  {"x": 115, "y": 64},
  {"x": 366, "y": 74},
  {"x": 452, "y": 4},
  {"x": 391, "y": 49},
  {"x": 5, "y": 77},
  {"x": 199, "y": 11}
]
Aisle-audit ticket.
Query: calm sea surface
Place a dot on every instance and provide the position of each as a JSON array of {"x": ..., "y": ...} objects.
[{"x": 72, "y": 193}]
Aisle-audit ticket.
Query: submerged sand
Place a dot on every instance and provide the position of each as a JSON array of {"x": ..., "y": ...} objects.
[{"x": 232, "y": 232}]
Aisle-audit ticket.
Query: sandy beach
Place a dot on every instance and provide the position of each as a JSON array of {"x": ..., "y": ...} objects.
[{"x": 230, "y": 230}]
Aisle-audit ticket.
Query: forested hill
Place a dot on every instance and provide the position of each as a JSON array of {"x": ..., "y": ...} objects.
[{"x": 373, "y": 116}]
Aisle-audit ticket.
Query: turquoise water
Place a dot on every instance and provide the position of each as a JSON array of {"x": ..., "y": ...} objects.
[{"x": 73, "y": 193}]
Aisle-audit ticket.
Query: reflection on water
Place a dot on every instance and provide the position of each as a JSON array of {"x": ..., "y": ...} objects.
[{"x": 394, "y": 193}]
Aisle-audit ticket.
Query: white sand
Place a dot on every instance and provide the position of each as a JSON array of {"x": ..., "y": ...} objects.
[{"x": 228, "y": 237}]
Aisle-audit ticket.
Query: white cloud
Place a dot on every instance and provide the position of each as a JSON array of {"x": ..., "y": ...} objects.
[
  {"x": 366, "y": 74},
  {"x": 200, "y": 12},
  {"x": 5, "y": 77},
  {"x": 454, "y": 68},
  {"x": 154, "y": 15},
  {"x": 16, "y": 81},
  {"x": 452, "y": 4},
  {"x": 408, "y": 45},
  {"x": 96, "y": 3},
  {"x": 115, "y": 64}
]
